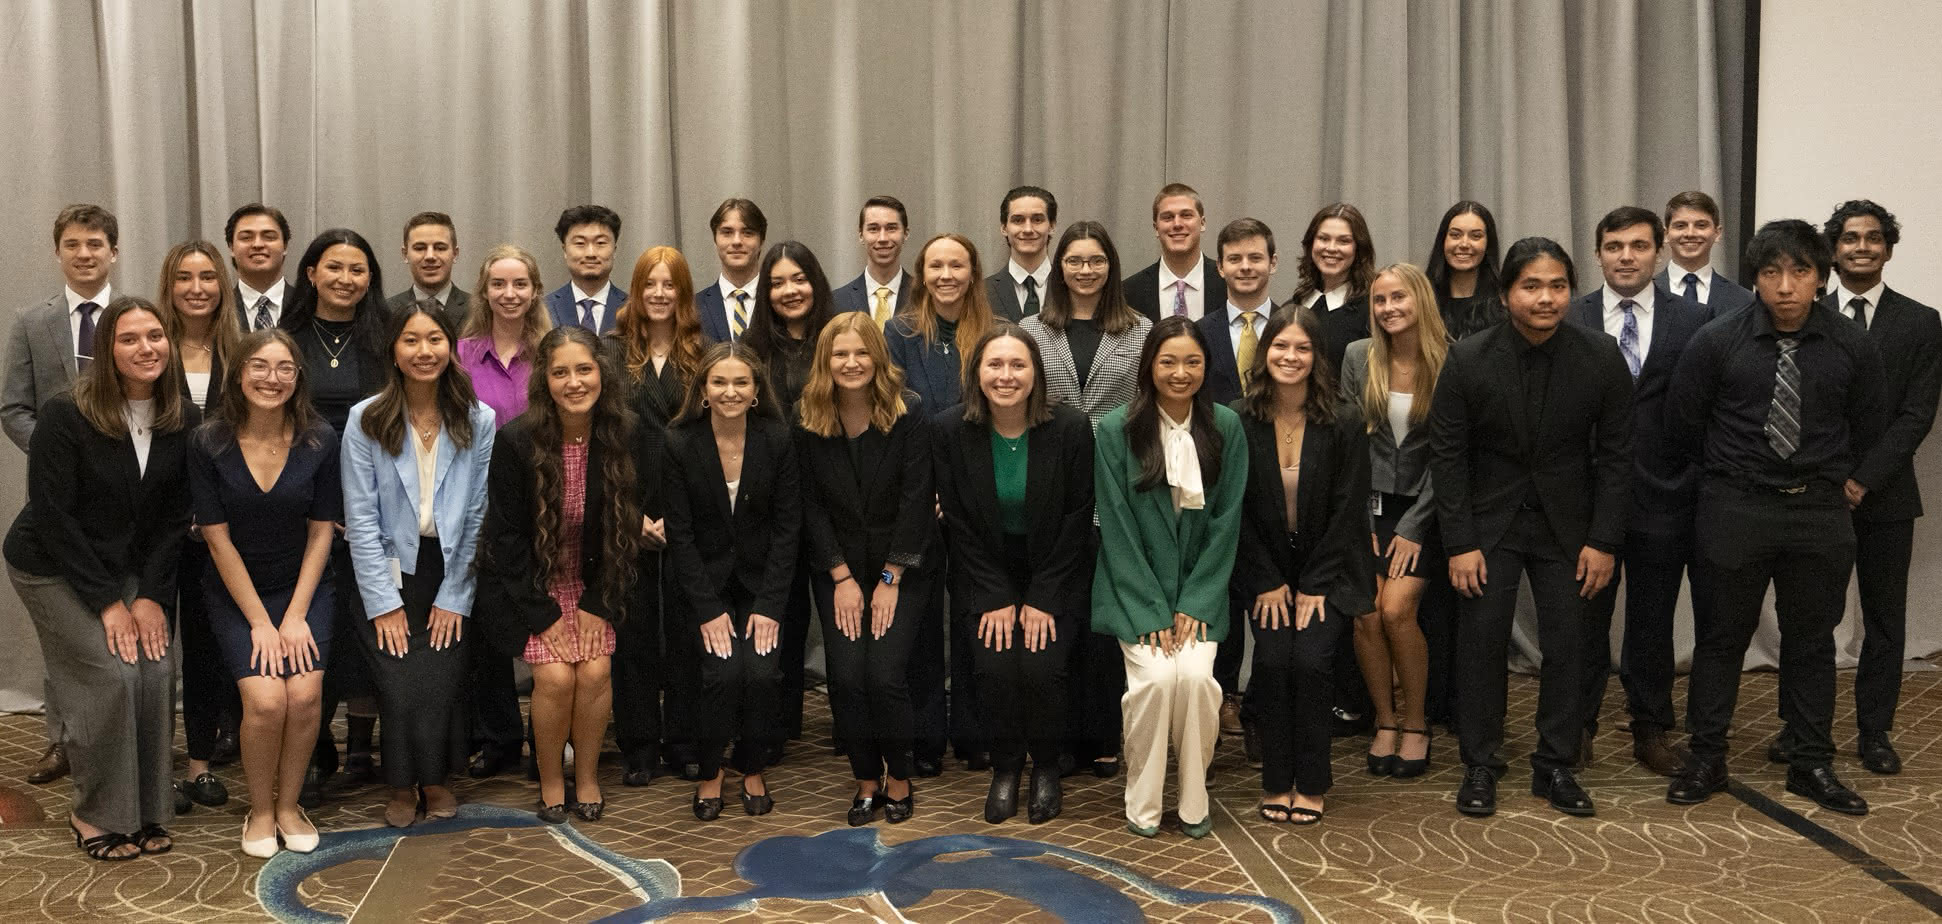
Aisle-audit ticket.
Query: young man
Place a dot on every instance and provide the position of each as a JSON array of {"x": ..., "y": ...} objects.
[
  {"x": 1651, "y": 326},
  {"x": 883, "y": 287},
  {"x": 431, "y": 248},
  {"x": 258, "y": 237},
  {"x": 1909, "y": 337},
  {"x": 1778, "y": 403},
  {"x": 1693, "y": 227},
  {"x": 1026, "y": 218},
  {"x": 1181, "y": 281},
  {"x": 588, "y": 235},
  {"x": 739, "y": 228},
  {"x": 1530, "y": 442},
  {"x": 48, "y": 343}
]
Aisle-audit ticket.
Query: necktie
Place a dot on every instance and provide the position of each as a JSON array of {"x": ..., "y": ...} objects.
[
  {"x": 881, "y": 314},
  {"x": 1692, "y": 287},
  {"x": 1783, "y": 418},
  {"x": 738, "y": 322},
  {"x": 84, "y": 341},
  {"x": 1859, "y": 306},
  {"x": 586, "y": 314},
  {"x": 1031, "y": 296},
  {"x": 263, "y": 320},
  {"x": 1180, "y": 299},
  {"x": 1244, "y": 353},
  {"x": 1628, "y": 337}
]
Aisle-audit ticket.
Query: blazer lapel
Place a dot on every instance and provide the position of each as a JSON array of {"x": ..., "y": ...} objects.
[
  {"x": 974, "y": 442},
  {"x": 406, "y": 465},
  {"x": 1266, "y": 457},
  {"x": 711, "y": 464}
]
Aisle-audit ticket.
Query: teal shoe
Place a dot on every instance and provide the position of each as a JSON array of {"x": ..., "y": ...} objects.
[
  {"x": 1199, "y": 829},
  {"x": 1143, "y": 831}
]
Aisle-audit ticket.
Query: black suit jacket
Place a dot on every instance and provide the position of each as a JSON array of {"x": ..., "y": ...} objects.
[
  {"x": 1341, "y": 327},
  {"x": 94, "y": 516},
  {"x": 1909, "y": 335},
  {"x": 1665, "y": 482},
  {"x": 1143, "y": 290},
  {"x": 458, "y": 306},
  {"x": 878, "y": 516},
  {"x": 855, "y": 294},
  {"x": 1484, "y": 457},
  {"x": 1223, "y": 382},
  {"x": 1058, "y": 500},
  {"x": 737, "y": 561},
  {"x": 1004, "y": 299},
  {"x": 1725, "y": 297},
  {"x": 1331, "y": 509}
]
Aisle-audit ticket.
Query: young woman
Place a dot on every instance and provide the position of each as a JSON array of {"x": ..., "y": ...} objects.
[
  {"x": 1169, "y": 471},
  {"x": 1338, "y": 258},
  {"x": 945, "y": 318},
  {"x": 264, "y": 476},
  {"x": 1300, "y": 559},
  {"x": 414, "y": 468},
  {"x": 1014, "y": 475},
  {"x": 200, "y": 308},
  {"x": 658, "y": 343},
  {"x": 95, "y": 552},
  {"x": 1387, "y": 382},
  {"x": 869, "y": 526},
  {"x": 562, "y": 542},
  {"x": 733, "y": 519},
  {"x": 1463, "y": 269},
  {"x": 336, "y": 314}
]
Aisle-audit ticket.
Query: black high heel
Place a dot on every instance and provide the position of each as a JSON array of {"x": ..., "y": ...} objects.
[
  {"x": 1382, "y": 764},
  {"x": 102, "y": 846},
  {"x": 898, "y": 811},
  {"x": 1407, "y": 768}
]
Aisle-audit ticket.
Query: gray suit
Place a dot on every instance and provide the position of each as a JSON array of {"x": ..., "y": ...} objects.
[
  {"x": 1393, "y": 469},
  {"x": 458, "y": 306},
  {"x": 40, "y": 362}
]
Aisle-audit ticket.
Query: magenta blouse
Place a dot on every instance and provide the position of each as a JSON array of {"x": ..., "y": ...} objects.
[{"x": 500, "y": 387}]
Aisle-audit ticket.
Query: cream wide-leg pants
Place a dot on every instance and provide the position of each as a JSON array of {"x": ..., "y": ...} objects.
[{"x": 1169, "y": 698}]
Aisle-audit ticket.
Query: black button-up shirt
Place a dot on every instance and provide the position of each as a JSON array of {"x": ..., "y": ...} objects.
[{"x": 1722, "y": 391}]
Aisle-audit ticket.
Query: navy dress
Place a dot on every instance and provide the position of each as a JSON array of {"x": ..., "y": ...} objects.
[{"x": 269, "y": 530}]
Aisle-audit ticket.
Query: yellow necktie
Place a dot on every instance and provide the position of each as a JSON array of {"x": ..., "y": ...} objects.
[
  {"x": 739, "y": 321},
  {"x": 1244, "y": 354},
  {"x": 882, "y": 310}
]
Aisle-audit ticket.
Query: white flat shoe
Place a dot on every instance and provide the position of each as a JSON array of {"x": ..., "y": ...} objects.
[
  {"x": 299, "y": 843},
  {"x": 261, "y": 848}
]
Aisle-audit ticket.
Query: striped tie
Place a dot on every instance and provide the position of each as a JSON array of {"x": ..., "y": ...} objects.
[
  {"x": 1783, "y": 418},
  {"x": 739, "y": 322}
]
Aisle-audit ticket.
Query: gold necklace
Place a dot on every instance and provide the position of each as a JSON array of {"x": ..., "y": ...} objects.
[{"x": 317, "y": 330}]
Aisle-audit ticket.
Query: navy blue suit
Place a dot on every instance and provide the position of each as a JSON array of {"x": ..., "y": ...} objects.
[
  {"x": 1223, "y": 383},
  {"x": 1725, "y": 296},
  {"x": 1658, "y": 546},
  {"x": 714, "y": 318},
  {"x": 855, "y": 295},
  {"x": 560, "y": 303}
]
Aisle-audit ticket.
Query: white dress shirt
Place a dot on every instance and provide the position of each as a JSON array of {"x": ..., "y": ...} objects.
[
  {"x": 728, "y": 300},
  {"x": 1676, "y": 281},
  {"x": 1196, "y": 289},
  {"x": 871, "y": 285},
  {"x": 1018, "y": 275},
  {"x": 250, "y": 297},
  {"x": 1615, "y": 318},
  {"x": 74, "y": 300},
  {"x": 1842, "y": 297},
  {"x": 599, "y": 303}
]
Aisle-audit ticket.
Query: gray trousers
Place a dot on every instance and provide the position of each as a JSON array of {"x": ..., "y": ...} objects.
[{"x": 118, "y": 719}]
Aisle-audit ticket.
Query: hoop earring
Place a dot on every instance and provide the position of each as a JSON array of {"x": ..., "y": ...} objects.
[
  {"x": 752, "y": 402},
  {"x": 704, "y": 402}
]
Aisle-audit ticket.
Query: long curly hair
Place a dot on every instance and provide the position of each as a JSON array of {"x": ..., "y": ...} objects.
[{"x": 613, "y": 435}]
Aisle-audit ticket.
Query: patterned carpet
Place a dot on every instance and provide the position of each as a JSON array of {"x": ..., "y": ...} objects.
[{"x": 1388, "y": 850}]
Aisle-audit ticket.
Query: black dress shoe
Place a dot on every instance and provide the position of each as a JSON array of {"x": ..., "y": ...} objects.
[
  {"x": 637, "y": 767},
  {"x": 360, "y": 768},
  {"x": 1068, "y": 765},
  {"x": 1478, "y": 794},
  {"x": 863, "y": 810},
  {"x": 1559, "y": 786},
  {"x": 1696, "y": 782},
  {"x": 1821, "y": 785},
  {"x": 312, "y": 794},
  {"x": 708, "y": 809},
  {"x": 926, "y": 767},
  {"x": 1877, "y": 754},
  {"x": 1348, "y": 724},
  {"x": 1001, "y": 802},
  {"x": 227, "y": 749},
  {"x": 183, "y": 804},
  {"x": 1047, "y": 798},
  {"x": 205, "y": 789},
  {"x": 978, "y": 761},
  {"x": 1106, "y": 768},
  {"x": 1779, "y": 752}
]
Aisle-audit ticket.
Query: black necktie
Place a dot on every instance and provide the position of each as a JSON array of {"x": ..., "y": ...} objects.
[
  {"x": 1031, "y": 296},
  {"x": 1692, "y": 287},
  {"x": 1859, "y": 306},
  {"x": 84, "y": 341}
]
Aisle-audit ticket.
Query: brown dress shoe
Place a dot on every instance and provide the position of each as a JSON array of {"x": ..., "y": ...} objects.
[
  {"x": 1230, "y": 715},
  {"x": 52, "y": 766},
  {"x": 1654, "y": 752}
]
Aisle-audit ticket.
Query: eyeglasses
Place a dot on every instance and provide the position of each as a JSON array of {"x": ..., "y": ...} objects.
[
  {"x": 1099, "y": 262},
  {"x": 264, "y": 369}
]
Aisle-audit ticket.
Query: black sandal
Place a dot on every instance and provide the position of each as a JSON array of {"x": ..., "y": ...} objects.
[
  {"x": 1302, "y": 815},
  {"x": 150, "y": 834},
  {"x": 1275, "y": 812},
  {"x": 103, "y": 846}
]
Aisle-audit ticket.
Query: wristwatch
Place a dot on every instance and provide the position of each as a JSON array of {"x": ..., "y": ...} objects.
[{"x": 889, "y": 578}]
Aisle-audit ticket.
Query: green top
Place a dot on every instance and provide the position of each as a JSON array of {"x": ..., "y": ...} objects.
[
  {"x": 1008, "y": 457},
  {"x": 1152, "y": 563}
]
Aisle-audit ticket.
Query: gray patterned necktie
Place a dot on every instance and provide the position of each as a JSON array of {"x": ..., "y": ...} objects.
[{"x": 1783, "y": 418}]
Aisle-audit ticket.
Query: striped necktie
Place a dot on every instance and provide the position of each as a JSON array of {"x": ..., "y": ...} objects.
[{"x": 738, "y": 322}]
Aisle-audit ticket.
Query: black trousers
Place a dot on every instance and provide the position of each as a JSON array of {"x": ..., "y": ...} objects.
[
  {"x": 637, "y": 666},
  {"x": 869, "y": 678},
  {"x": 681, "y": 719},
  {"x": 741, "y": 701},
  {"x": 1228, "y": 658},
  {"x": 1483, "y": 638},
  {"x": 347, "y": 675},
  {"x": 1095, "y": 681},
  {"x": 1803, "y": 546},
  {"x": 928, "y": 667},
  {"x": 967, "y": 728},
  {"x": 1290, "y": 697},
  {"x": 1882, "y": 553},
  {"x": 210, "y": 700},
  {"x": 1023, "y": 693},
  {"x": 795, "y": 652},
  {"x": 421, "y": 696},
  {"x": 1652, "y": 568},
  {"x": 1436, "y": 615}
]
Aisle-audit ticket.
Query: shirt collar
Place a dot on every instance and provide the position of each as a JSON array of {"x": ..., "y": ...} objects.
[
  {"x": 251, "y": 295},
  {"x": 581, "y": 295},
  {"x": 444, "y": 295},
  {"x": 1234, "y": 312},
  {"x": 729, "y": 287},
  {"x": 1195, "y": 277},
  {"x": 1043, "y": 273},
  {"x": 1334, "y": 298},
  {"x": 1676, "y": 275},
  {"x": 1842, "y": 296},
  {"x": 100, "y": 298},
  {"x": 870, "y": 284},
  {"x": 1168, "y": 423},
  {"x": 1644, "y": 299}
]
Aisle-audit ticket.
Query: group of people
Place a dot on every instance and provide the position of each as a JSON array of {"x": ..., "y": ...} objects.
[{"x": 1064, "y": 494}]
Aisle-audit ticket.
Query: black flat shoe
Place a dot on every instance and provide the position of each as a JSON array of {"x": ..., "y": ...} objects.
[
  {"x": 1001, "y": 802},
  {"x": 708, "y": 809},
  {"x": 637, "y": 768},
  {"x": 1696, "y": 782},
  {"x": 1821, "y": 785},
  {"x": 1478, "y": 794},
  {"x": 1047, "y": 798},
  {"x": 897, "y": 811},
  {"x": 1563, "y": 791},
  {"x": 183, "y": 804},
  {"x": 864, "y": 810},
  {"x": 757, "y": 804},
  {"x": 1403, "y": 768},
  {"x": 552, "y": 814},
  {"x": 227, "y": 749},
  {"x": 1105, "y": 769},
  {"x": 589, "y": 811},
  {"x": 205, "y": 789}
]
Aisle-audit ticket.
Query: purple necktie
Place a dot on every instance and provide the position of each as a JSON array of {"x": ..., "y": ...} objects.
[
  {"x": 1180, "y": 299},
  {"x": 1628, "y": 337},
  {"x": 84, "y": 342}
]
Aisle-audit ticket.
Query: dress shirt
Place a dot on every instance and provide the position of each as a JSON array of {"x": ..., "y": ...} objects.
[
  {"x": 1642, "y": 315},
  {"x": 1337, "y": 297},
  {"x": 1676, "y": 281},
  {"x": 1043, "y": 274},
  {"x": 444, "y": 296},
  {"x": 427, "y": 463},
  {"x": 498, "y": 386},
  {"x": 74, "y": 301},
  {"x": 140, "y": 414},
  {"x": 870, "y": 287},
  {"x": 250, "y": 297},
  {"x": 599, "y": 302},
  {"x": 1196, "y": 288},
  {"x": 1234, "y": 311},
  {"x": 1842, "y": 297},
  {"x": 728, "y": 300}
]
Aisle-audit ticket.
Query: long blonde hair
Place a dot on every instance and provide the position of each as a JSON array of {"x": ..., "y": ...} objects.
[
  {"x": 1432, "y": 348},
  {"x": 817, "y": 406},
  {"x": 478, "y": 321}
]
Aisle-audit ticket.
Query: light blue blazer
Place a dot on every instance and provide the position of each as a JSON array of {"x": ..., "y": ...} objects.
[{"x": 381, "y": 512}]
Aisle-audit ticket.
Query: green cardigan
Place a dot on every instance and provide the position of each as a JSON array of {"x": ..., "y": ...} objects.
[{"x": 1151, "y": 563}]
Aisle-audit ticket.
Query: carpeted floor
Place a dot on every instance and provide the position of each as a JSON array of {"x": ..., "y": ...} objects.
[{"x": 1388, "y": 850}]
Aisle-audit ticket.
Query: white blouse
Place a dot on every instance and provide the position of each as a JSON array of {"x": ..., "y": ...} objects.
[
  {"x": 1183, "y": 462},
  {"x": 141, "y": 429}
]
